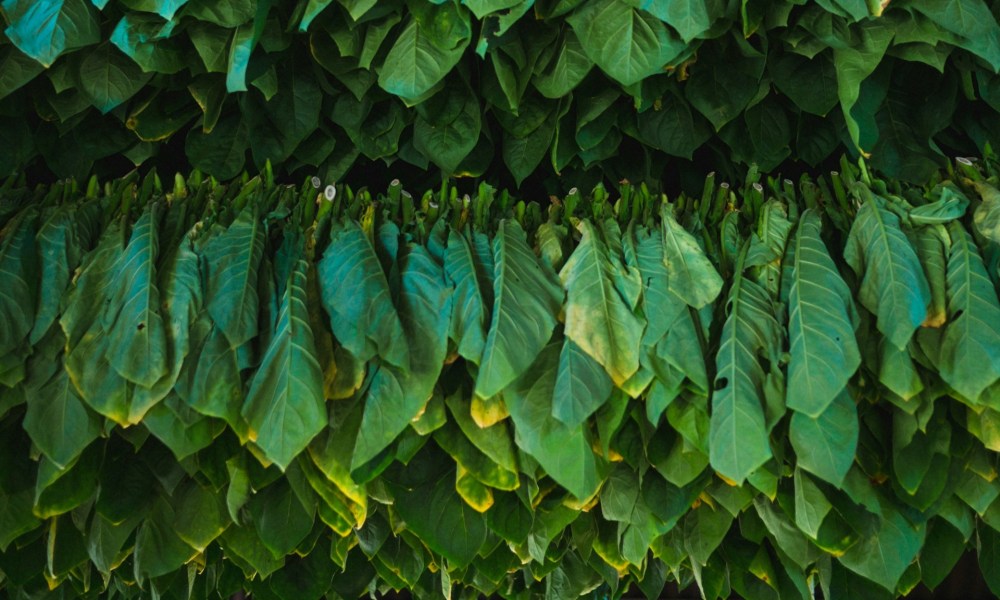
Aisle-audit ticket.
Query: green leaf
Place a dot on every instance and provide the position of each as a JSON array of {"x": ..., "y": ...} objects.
[
  {"x": 972, "y": 21},
  {"x": 16, "y": 70},
  {"x": 45, "y": 29},
  {"x": 970, "y": 349},
  {"x": 600, "y": 317},
  {"x": 434, "y": 511},
  {"x": 428, "y": 48},
  {"x": 893, "y": 285},
  {"x": 469, "y": 312},
  {"x": 691, "y": 275},
  {"x": 825, "y": 445},
  {"x": 232, "y": 259},
  {"x": 738, "y": 442},
  {"x": 17, "y": 288},
  {"x": 726, "y": 83},
  {"x": 109, "y": 78},
  {"x": 59, "y": 422},
  {"x": 356, "y": 296},
  {"x": 564, "y": 452},
  {"x": 281, "y": 519},
  {"x": 567, "y": 67},
  {"x": 222, "y": 151},
  {"x": 884, "y": 554},
  {"x": 224, "y": 13},
  {"x": 690, "y": 18},
  {"x": 987, "y": 215},
  {"x": 628, "y": 44},
  {"x": 824, "y": 352},
  {"x": 524, "y": 291},
  {"x": 582, "y": 385},
  {"x": 856, "y": 61},
  {"x": 200, "y": 516},
  {"x": 398, "y": 395},
  {"x": 133, "y": 321},
  {"x": 285, "y": 406},
  {"x": 447, "y": 127}
]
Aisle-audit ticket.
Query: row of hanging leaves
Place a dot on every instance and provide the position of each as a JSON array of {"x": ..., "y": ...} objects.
[{"x": 304, "y": 392}]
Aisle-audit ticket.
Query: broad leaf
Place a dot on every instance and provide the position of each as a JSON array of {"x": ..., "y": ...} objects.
[
  {"x": 524, "y": 292},
  {"x": 893, "y": 285},
  {"x": 285, "y": 406},
  {"x": 738, "y": 441},
  {"x": 824, "y": 352}
]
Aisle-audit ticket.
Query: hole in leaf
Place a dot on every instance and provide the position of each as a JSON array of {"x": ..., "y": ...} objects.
[
  {"x": 141, "y": 326},
  {"x": 721, "y": 383}
]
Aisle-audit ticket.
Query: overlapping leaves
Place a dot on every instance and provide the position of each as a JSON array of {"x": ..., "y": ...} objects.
[
  {"x": 466, "y": 395},
  {"x": 474, "y": 87}
]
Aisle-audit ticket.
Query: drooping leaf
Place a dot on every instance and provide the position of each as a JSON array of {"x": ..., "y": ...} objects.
[
  {"x": 893, "y": 285},
  {"x": 825, "y": 445},
  {"x": 691, "y": 274},
  {"x": 824, "y": 352},
  {"x": 285, "y": 406},
  {"x": 600, "y": 315},
  {"x": 738, "y": 442},
  {"x": 231, "y": 261},
  {"x": 524, "y": 291},
  {"x": 356, "y": 296},
  {"x": 970, "y": 348}
]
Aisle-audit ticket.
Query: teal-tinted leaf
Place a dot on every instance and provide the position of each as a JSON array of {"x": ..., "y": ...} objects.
[
  {"x": 564, "y": 452},
  {"x": 600, "y": 317},
  {"x": 661, "y": 305},
  {"x": 355, "y": 294},
  {"x": 469, "y": 312},
  {"x": 397, "y": 395},
  {"x": 44, "y": 29},
  {"x": 824, "y": 352},
  {"x": 525, "y": 292},
  {"x": 285, "y": 406},
  {"x": 884, "y": 554},
  {"x": 313, "y": 9},
  {"x": 232, "y": 259},
  {"x": 627, "y": 43},
  {"x": 970, "y": 349},
  {"x": 825, "y": 445},
  {"x": 691, "y": 274},
  {"x": 949, "y": 206},
  {"x": 135, "y": 326},
  {"x": 582, "y": 385},
  {"x": 426, "y": 50},
  {"x": 893, "y": 285},
  {"x": 690, "y": 18},
  {"x": 738, "y": 441}
]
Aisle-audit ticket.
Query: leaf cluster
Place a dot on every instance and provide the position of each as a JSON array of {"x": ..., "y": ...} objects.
[
  {"x": 319, "y": 392},
  {"x": 494, "y": 86}
]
